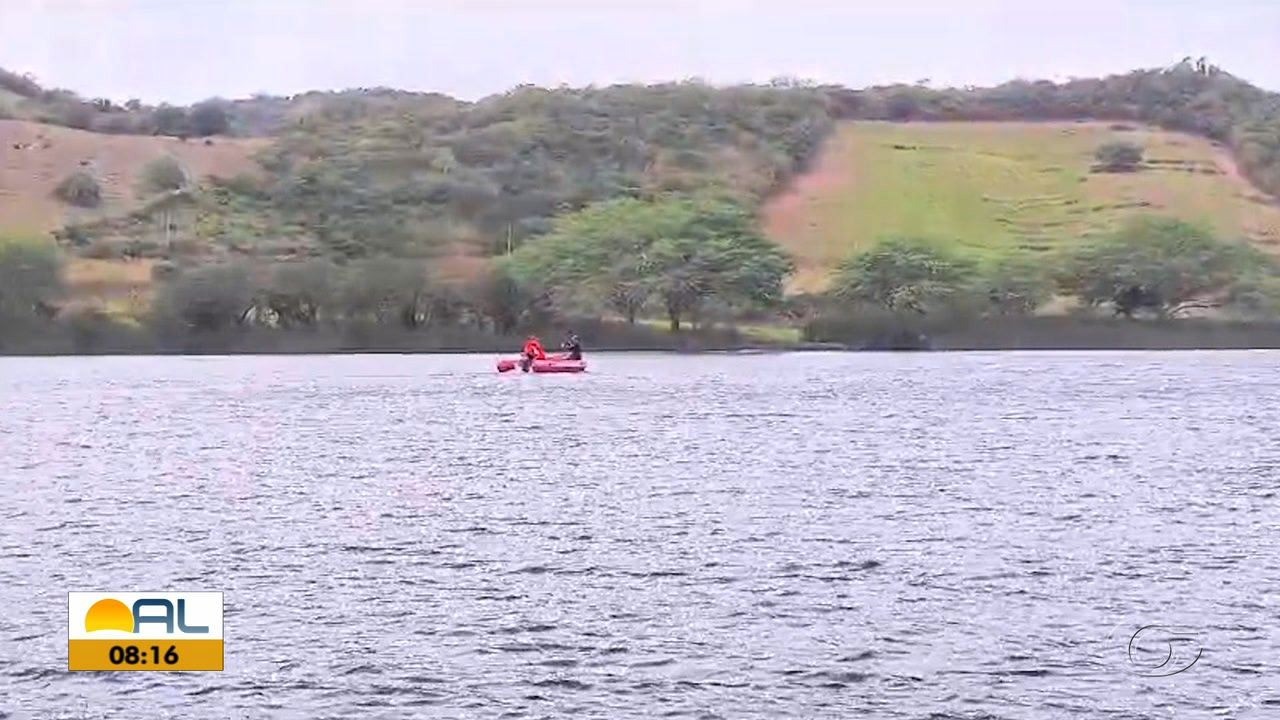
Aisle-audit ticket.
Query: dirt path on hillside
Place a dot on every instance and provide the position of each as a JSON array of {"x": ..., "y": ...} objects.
[{"x": 787, "y": 217}]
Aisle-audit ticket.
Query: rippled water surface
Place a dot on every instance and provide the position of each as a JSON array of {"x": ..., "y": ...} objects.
[{"x": 808, "y": 535}]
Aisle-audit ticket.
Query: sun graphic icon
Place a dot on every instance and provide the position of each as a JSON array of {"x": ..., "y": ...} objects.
[{"x": 108, "y": 614}]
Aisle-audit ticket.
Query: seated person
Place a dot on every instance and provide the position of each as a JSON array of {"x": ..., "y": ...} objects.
[{"x": 573, "y": 345}]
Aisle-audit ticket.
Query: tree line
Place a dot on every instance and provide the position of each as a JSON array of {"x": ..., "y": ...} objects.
[
  {"x": 676, "y": 257},
  {"x": 209, "y": 304},
  {"x": 1191, "y": 96},
  {"x": 1152, "y": 266}
]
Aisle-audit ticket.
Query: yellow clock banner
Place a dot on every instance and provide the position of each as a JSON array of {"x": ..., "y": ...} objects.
[{"x": 139, "y": 631}]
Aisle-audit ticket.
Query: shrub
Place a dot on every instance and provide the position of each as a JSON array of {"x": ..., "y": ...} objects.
[
  {"x": 170, "y": 120},
  {"x": 1118, "y": 156},
  {"x": 384, "y": 290},
  {"x": 1017, "y": 284},
  {"x": 905, "y": 274},
  {"x": 164, "y": 270},
  {"x": 1161, "y": 264},
  {"x": 79, "y": 189},
  {"x": 24, "y": 85},
  {"x": 206, "y": 299},
  {"x": 144, "y": 248},
  {"x": 209, "y": 118},
  {"x": 77, "y": 115},
  {"x": 30, "y": 279},
  {"x": 118, "y": 123},
  {"x": 75, "y": 235},
  {"x": 871, "y": 327},
  {"x": 1256, "y": 294},
  {"x": 498, "y": 297},
  {"x": 241, "y": 184},
  {"x": 102, "y": 250},
  {"x": 163, "y": 174},
  {"x": 300, "y": 291}
]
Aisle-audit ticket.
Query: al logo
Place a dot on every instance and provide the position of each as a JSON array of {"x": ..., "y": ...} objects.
[{"x": 137, "y": 631}]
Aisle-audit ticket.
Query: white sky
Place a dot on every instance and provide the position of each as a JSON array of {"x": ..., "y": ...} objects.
[{"x": 187, "y": 50}]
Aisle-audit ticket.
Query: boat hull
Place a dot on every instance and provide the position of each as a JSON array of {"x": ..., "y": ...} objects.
[
  {"x": 549, "y": 365},
  {"x": 558, "y": 366}
]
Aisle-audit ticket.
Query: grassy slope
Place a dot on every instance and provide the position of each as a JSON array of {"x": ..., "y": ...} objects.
[{"x": 995, "y": 186}]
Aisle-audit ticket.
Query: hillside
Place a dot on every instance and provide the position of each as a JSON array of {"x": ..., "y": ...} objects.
[
  {"x": 34, "y": 158},
  {"x": 450, "y": 183},
  {"x": 397, "y": 210},
  {"x": 1001, "y": 185}
]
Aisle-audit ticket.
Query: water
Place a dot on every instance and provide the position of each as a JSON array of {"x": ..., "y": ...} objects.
[{"x": 888, "y": 536}]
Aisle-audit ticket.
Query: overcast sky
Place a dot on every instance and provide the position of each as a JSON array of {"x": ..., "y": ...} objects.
[{"x": 186, "y": 50}]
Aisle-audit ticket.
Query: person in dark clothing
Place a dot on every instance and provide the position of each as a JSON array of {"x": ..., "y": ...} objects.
[{"x": 573, "y": 345}]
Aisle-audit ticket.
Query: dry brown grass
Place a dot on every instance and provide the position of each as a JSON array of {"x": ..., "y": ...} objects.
[
  {"x": 124, "y": 286},
  {"x": 34, "y": 158}
]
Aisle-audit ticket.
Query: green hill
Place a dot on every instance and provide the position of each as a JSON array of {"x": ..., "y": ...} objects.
[{"x": 1005, "y": 185}]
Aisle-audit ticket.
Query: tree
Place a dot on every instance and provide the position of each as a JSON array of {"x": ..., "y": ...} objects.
[
  {"x": 76, "y": 114},
  {"x": 163, "y": 174},
  {"x": 209, "y": 118},
  {"x": 501, "y": 299},
  {"x": 24, "y": 85},
  {"x": 904, "y": 274},
  {"x": 679, "y": 249},
  {"x": 1158, "y": 263},
  {"x": 30, "y": 282},
  {"x": 1118, "y": 156},
  {"x": 79, "y": 189},
  {"x": 719, "y": 253},
  {"x": 206, "y": 299},
  {"x": 1017, "y": 284},
  {"x": 298, "y": 291},
  {"x": 170, "y": 120},
  {"x": 628, "y": 286},
  {"x": 1257, "y": 293},
  {"x": 384, "y": 290}
]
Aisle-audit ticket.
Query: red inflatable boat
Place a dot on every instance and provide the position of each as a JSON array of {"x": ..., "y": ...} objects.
[{"x": 553, "y": 364}]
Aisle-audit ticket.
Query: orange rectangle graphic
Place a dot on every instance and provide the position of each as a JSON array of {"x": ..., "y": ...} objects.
[{"x": 140, "y": 655}]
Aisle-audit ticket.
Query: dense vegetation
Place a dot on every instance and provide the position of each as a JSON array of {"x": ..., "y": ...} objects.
[{"x": 490, "y": 175}]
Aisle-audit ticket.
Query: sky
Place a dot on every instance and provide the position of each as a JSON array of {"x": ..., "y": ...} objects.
[{"x": 182, "y": 51}]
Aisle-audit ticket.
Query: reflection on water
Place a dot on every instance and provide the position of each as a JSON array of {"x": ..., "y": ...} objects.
[{"x": 963, "y": 535}]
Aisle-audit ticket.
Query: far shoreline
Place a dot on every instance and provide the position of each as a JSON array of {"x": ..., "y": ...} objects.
[
  {"x": 674, "y": 352},
  {"x": 922, "y": 334}
]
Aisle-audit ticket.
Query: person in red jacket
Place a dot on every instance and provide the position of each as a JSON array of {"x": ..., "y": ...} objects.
[{"x": 533, "y": 350}]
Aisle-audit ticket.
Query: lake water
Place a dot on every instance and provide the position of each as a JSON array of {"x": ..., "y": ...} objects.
[{"x": 802, "y": 535}]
